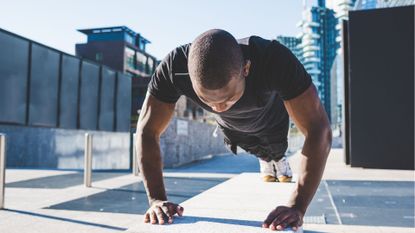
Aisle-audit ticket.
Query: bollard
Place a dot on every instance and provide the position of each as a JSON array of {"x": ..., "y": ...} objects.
[
  {"x": 135, "y": 165},
  {"x": 2, "y": 168},
  {"x": 88, "y": 160}
]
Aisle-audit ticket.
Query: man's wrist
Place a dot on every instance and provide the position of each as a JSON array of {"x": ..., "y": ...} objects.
[
  {"x": 155, "y": 201},
  {"x": 300, "y": 210}
]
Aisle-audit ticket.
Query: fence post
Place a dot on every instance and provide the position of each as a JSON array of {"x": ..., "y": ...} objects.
[
  {"x": 2, "y": 168},
  {"x": 88, "y": 160},
  {"x": 135, "y": 165}
]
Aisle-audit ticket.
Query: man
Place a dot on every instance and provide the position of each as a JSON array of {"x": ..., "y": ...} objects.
[{"x": 250, "y": 86}]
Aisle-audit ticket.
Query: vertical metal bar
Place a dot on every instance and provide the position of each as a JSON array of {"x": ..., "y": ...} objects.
[
  {"x": 88, "y": 160},
  {"x": 2, "y": 168},
  {"x": 135, "y": 165}
]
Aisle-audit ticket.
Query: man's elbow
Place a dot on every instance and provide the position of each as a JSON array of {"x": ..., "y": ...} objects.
[
  {"x": 322, "y": 138},
  {"x": 327, "y": 138},
  {"x": 143, "y": 134},
  {"x": 146, "y": 141}
]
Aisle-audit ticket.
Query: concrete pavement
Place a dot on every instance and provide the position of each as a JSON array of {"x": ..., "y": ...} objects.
[{"x": 223, "y": 194}]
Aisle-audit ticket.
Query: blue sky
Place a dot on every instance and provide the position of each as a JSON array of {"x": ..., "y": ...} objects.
[{"x": 165, "y": 23}]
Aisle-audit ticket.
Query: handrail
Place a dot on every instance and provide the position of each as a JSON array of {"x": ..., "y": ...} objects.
[
  {"x": 135, "y": 164},
  {"x": 88, "y": 160},
  {"x": 2, "y": 168}
]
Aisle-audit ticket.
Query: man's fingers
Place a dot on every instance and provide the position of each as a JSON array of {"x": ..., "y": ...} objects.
[
  {"x": 285, "y": 220},
  {"x": 153, "y": 217},
  {"x": 160, "y": 215},
  {"x": 168, "y": 212},
  {"x": 271, "y": 216},
  {"x": 179, "y": 210},
  {"x": 281, "y": 218},
  {"x": 288, "y": 222},
  {"x": 268, "y": 220},
  {"x": 147, "y": 218}
]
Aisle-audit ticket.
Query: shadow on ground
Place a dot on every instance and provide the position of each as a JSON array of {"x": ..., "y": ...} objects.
[
  {"x": 228, "y": 163},
  {"x": 132, "y": 199}
]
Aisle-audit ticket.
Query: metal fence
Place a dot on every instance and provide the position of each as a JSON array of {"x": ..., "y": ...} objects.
[{"x": 41, "y": 86}]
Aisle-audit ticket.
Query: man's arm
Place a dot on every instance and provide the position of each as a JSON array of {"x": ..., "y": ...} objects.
[
  {"x": 154, "y": 118},
  {"x": 310, "y": 117}
]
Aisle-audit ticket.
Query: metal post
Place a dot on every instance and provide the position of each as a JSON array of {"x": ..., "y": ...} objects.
[
  {"x": 135, "y": 165},
  {"x": 88, "y": 160},
  {"x": 2, "y": 168}
]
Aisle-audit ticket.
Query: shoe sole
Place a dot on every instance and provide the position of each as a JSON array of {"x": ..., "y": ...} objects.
[
  {"x": 269, "y": 179},
  {"x": 285, "y": 179}
]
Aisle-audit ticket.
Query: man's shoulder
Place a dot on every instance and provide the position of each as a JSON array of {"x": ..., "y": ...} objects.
[
  {"x": 178, "y": 58},
  {"x": 252, "y": 40},
  {"x": 258, "y": 46}
]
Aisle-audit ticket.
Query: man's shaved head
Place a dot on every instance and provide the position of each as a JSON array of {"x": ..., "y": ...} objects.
[{"x": 214, "y": 59}]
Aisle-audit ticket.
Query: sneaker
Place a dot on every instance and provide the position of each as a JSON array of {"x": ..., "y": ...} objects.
[
  {"x": 267, "y": 170},
  {"x": 283, "y": 170}
]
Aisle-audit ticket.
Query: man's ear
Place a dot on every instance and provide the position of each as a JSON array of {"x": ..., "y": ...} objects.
[{"x": 246, "y": 68}]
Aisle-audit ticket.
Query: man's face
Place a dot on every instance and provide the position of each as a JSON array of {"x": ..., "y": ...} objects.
[{"x": 224, "y": 98}]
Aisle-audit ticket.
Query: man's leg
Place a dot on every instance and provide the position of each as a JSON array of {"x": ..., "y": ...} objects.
[
  {"x": 273, "y": 163},
  {"x": 283, "y": 170},
  {"x": 267, "y": 170},
  {"x": 276, "y": 145}
]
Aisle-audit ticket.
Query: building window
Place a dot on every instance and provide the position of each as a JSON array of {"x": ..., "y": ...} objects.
[
  {"x": 130, "y": 58},
  {"x": 99, "y": 57},
  {"x": 150, "y": 65},
  {"x": 141, "y": 61},
  {"x": 129, "y": 38}
]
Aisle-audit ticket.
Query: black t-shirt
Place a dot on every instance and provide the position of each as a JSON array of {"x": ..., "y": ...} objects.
[{"x": 275, "y": 75}]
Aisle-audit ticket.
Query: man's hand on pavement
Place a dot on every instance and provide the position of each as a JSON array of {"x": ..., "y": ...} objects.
[
  {"x": 160, "y": 211},
  {"x": 282, "y": 217}
]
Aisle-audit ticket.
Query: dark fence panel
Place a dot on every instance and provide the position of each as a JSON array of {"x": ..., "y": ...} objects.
[
  {"x": 88, "y": 105},
  {"x": 123, "y": 105},
  {"x": 381, "y": 44},
  {"x": 41, "y": 86},
  {"x": 69, "y": 92},
  {"x": 44, "y": 80},
  {"x": 13, "y": 78},
  {"x": 107, "y": 100}
]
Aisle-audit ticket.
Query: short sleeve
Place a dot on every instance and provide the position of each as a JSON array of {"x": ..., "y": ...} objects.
[
  {"x": 161, "y": 84},
  {"x": 287, "y": 74}
]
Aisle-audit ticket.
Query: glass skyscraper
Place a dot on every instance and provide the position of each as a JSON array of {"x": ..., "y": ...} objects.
[
  {"x": 372, "y": 4},
  {"x": 319, "y": 46}
]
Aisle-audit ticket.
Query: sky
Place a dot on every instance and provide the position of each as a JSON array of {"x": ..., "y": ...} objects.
[{"x": 167, "y": 24}]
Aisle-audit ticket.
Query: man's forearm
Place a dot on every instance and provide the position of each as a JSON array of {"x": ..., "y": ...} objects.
[
  {"x": 151, "y": 167},
  {"x": 314, "y": 156}
]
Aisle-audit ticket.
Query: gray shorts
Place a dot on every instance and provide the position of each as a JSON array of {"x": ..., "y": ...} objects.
[{"x": 265, "y": 146}]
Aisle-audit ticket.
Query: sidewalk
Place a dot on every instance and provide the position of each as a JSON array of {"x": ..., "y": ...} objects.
[{"x": 223, "y": 194}]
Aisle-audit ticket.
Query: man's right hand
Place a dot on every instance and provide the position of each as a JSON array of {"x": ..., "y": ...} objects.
[{"x": 160, "y": 211}]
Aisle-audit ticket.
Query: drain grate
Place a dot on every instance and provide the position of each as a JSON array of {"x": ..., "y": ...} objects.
[{"x": 315, "y": 219}]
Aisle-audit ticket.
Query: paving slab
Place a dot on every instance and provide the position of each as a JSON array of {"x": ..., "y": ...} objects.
[
  {"x": 237, "y": 205},
  {"x": 216, "y": 198}
]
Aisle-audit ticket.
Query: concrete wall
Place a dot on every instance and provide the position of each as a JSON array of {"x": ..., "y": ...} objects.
[
  {"x": 34, "y": 147},
  {"x": 185, "y": 141},
  {"x": 51, "y": 148}
]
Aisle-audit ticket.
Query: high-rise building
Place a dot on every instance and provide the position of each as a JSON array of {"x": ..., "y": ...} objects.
[
  {"x": 341, "y": 9},
  {"x": 124, "y": 50},
  {"x": 119, "y": 48},
  {"x": 292, "y": 44},
  {"x": 372, "y": 4},
  {"x": 318, "y": 46}
]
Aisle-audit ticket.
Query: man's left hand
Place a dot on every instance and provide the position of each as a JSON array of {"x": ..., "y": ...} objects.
[{"x": 282, "y": 217}]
